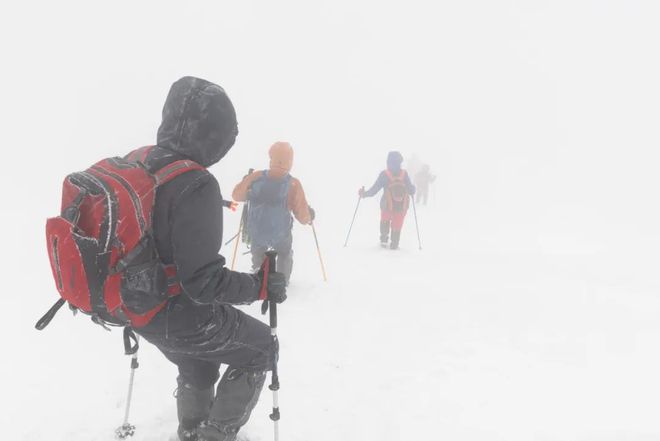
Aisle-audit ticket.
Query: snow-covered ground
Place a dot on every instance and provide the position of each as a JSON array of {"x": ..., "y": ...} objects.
[
  {"x": 530, "y": 314},
  {"x": 437, "y": 343}
]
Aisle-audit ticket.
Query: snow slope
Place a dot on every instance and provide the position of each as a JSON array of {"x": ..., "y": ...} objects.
[{"x": 396, "y": 345}]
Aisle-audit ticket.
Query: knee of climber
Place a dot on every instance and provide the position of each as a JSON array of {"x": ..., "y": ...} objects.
[
  {"x": 265, "y": 360},
  {"x": 198, "y": 377}
]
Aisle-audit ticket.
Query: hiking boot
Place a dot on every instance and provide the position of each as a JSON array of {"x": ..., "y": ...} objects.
[
  {"x": 208, "y": 431},
  {"x": 396, "y": 235},
  {"x": 188, "y": 434},
  {"x": 193, "y": 406},
  {"x": 384, "y": 232}
]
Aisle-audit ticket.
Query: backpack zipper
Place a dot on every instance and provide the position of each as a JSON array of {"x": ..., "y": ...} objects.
[
  {"x": 131, "y": 192},
  {"x": 57, "y": 264}
]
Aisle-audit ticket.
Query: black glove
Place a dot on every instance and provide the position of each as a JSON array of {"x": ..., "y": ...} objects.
[
  {"x": 312, "y": 214},
  {"x": 276, "y": 288}
]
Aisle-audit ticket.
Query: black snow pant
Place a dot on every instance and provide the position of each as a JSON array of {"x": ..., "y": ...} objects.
[
  {"x": 284, "y": 252},
  {"x": 229, "y": 337}
]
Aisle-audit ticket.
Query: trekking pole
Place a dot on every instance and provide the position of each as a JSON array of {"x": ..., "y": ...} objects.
[
  {"x": 274, "y": 377},
  {"x": 240, "y": 230},
  {"x": 354, "y": 214},
  {"x": 234, "y": 237},
  {"x": 240, "y": 227},
  {"x": 318, "y": 250},
  {"x": 127, "y": 429},
  {"x": 419, "y": 241}
]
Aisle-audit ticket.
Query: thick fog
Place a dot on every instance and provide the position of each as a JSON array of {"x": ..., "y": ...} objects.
[
  {"x": 537, "y": 116},
  {"x": 540, "y": 119}
]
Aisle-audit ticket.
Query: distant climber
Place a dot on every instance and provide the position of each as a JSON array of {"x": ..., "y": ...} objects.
[
  {"x": 273, "y": 195},
  {"x": 397, "y": 189}
]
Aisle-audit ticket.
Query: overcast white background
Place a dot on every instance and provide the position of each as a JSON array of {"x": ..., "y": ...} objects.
[{"x": 539, "y": 117}]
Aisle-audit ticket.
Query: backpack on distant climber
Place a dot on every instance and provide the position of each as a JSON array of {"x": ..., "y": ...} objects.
[
  {"x": 101, "y": 247},
  {"x": 269, "y": 219},
  {"x": 396, "y": 192}
]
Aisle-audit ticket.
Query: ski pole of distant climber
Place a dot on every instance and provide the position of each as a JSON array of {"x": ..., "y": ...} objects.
[
  {"x": 238, "y": 236},
  {"x": 126, "y": 429},
  {"x": 419, "y": 241},
  {"x": 354, "y": 214},
  {"x": 318, "y": 250},
  {"x": 241, "y": 227},
  {"x": 274, "y": 378}
]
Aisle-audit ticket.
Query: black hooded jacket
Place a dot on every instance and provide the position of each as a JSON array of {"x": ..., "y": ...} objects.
[{"x": 199, "y": 123}]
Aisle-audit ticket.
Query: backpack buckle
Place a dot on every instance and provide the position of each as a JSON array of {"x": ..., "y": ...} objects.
[{"x": 99, "y": 321}]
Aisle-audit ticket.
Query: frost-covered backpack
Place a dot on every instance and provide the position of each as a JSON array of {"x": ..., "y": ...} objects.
[
  {"x": 396, "y": 192},
  {"x": 269, "y": 219},
  {"x": 101, "y": 246}
]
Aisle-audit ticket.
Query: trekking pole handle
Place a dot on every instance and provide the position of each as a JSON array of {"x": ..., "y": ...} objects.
[
  {"x": 131, "y": 344},
  {"x": 271, "y": 255}
]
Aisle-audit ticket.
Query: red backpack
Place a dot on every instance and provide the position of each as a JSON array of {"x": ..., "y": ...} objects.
[{"x": 101, "y": 247}]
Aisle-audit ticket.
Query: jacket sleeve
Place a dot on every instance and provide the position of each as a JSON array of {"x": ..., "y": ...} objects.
[
  {"x": 196, "y": 234},
  {"x": 378, "y": 185},
  {"x": 241, "y": 190},
  {"x": 409, "y": 185},
  {"x": 298, "y": 203}
]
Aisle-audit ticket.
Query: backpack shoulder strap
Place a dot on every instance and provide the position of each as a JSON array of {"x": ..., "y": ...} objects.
[
  {"x": 176, "y": 168},
  {"x": 394, "y": 179},
  {"x": 288, "y": 180},
  {"x": 260, "y": 176},
  {"x": 140, "y": 155}
]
